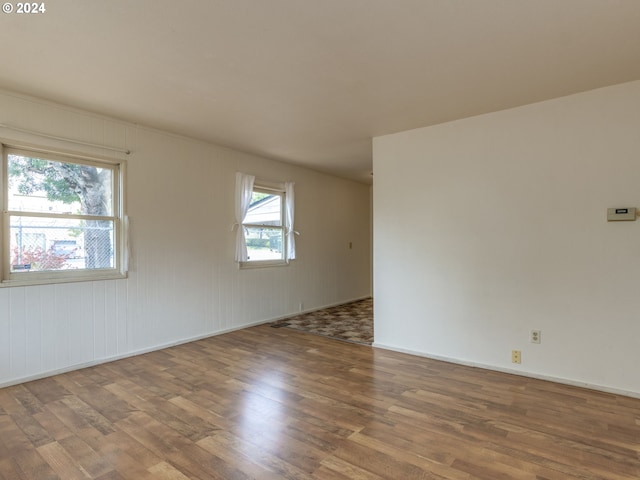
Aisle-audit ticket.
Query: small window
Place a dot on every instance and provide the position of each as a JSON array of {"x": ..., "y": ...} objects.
[
  {"x": 264, "y": 226},
  {"x": 62, "y": 218}
]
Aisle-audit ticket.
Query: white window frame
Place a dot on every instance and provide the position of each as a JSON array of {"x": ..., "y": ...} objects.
[
  {"x": 262, "y": 188},
  {"x": 118, "y": 167}
]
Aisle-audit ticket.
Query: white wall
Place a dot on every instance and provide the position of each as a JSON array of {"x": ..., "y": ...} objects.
[
  {"x": 183, "y": 282},
  {"x": 488, "y": 227}
]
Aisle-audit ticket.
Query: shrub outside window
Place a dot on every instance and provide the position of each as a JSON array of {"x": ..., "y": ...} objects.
[{"x": 62, "y": 218}]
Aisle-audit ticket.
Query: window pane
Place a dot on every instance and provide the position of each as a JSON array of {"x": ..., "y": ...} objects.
[
  {"x": 264, "y": 243},
  {"x": 50, "y": 244},
  {"x": 265, "y": 209},
  {"x": 41, "y": 185}
]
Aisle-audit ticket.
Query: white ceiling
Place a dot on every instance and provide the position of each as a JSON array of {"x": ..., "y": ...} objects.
[{"x": 311, "y": 81}]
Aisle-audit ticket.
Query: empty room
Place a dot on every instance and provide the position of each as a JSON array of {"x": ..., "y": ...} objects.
[{"x": 305, "y": 239}]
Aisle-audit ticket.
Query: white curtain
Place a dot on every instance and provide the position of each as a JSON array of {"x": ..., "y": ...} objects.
[
  {"x": 288, "y": 221},
  {"x": 244, "y": 190}
]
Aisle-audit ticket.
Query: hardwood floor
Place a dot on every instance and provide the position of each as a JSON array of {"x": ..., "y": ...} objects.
[{"x": 270, "y": 403}]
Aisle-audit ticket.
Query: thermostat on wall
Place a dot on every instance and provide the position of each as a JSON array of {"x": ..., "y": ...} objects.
[{"x": 621, "y": 214}]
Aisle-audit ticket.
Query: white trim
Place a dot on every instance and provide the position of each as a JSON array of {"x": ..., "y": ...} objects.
[
  {"x": 118, "y": 173},
  {"x": 249, "y": 264},
  {"x": 86, "y": 156},
  {"x": 34, "y": 278},
  {"x": 63, "y": 216},
  {"x": 113, "y": 358},
  {"x": 548, "y": 378},
  {"x": 266, "y": 189},
  {"x": 276, "y": 262},
  {"x": 65, "y": 139}
]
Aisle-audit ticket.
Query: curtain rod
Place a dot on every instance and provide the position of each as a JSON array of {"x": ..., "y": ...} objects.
[{"x": 70, "y": 140}]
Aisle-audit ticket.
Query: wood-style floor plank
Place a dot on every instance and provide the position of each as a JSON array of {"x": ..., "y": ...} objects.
[{"x": 269, "y": 404}]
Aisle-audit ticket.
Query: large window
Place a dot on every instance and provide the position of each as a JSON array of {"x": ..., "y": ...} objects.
[
  {"x": 264, "y": 226},
  {"x": 63, "y": 218}
]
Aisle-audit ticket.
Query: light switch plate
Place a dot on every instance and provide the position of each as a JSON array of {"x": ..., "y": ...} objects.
[{"x": 621, "y": 214}]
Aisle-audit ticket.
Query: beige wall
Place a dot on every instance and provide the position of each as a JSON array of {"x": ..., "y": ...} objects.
[
  {"x": 183, "y": 282},
  {"x": 488, "y": 227}
]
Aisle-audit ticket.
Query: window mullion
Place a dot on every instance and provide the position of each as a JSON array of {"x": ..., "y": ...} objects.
[
  {"x": 70, "y": 216},
  {"x": 261, "y": 225}
]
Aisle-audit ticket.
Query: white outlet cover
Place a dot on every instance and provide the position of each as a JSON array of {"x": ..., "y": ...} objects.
[{"x": 536, "y": 336}]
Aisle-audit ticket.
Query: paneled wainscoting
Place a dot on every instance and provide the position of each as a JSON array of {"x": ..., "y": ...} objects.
[{"x": 270, "y": 403}]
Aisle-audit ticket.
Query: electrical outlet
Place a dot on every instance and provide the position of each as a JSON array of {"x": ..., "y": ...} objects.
[
  {"x": 516, "y": 356},
  {"x": 536, "y": 336}
]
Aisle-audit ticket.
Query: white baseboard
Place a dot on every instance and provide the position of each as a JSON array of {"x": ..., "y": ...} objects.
[
  {"x": 92, "y": 363},
  {"x": 113, "y": 358},
  {"x": 564, "y": 381}
]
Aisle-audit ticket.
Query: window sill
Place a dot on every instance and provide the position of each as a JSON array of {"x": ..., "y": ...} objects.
[
  {"x": 262, "y": 264},
  {"x": 35, "y": 279}
]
